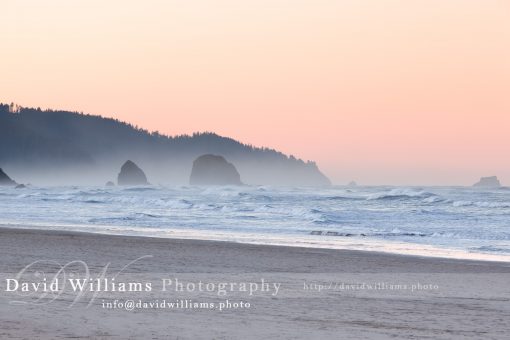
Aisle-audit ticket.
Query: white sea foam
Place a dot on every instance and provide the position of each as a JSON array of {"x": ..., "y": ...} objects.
[
  {"x": 473, "y": 221},
  {"x": 399, "y": 193}
]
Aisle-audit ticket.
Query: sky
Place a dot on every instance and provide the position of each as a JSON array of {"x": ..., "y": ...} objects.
[{"x": 404, "y": 92}]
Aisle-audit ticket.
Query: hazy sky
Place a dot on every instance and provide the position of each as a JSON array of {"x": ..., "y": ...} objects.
[{"x": 380, "y": 91}]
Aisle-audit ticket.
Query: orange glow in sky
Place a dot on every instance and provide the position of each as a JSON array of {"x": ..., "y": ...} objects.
[{"x": 379, "y": 91}]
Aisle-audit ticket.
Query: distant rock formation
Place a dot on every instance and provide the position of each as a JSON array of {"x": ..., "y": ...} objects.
[
  {"x": 488, "y": 182},
  {"x": 5, "y": 180},
  {"x": 131, "y": 174},
  {"x": 110, "y": 184},
  {"x": 214, "y": 170},
  {"x": 20, "y": 186},
  {"x": 352, "y": 184}
]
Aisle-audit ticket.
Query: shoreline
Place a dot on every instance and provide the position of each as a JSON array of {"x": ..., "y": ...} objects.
[
  {"x": 6, "y": 230},
  {"x": 420, "y": 251}
]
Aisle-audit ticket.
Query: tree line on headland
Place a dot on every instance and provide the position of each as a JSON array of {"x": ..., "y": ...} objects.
[{"x": 68, "y": 146}]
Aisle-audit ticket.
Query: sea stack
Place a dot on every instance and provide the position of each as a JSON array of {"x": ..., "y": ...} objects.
[
  {"x": 214, "y": 170},
  {"x": 131, "y": 174},
  {"x": 6, "y": 180},
  {"x": 488, "y": 182}
]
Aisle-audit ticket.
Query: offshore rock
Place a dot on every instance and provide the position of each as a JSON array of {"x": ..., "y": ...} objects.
[
  {"x": 214, "y": 170},
  {"x": 488, "y": 182},
  {"x": 6, "y": 180},
  {"x": 131, "y": 174}
]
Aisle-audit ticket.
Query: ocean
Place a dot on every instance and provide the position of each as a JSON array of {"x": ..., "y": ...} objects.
[{"x": 458, "y": 222}]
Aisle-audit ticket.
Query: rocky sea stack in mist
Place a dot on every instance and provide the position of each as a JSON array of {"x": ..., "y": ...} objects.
[
  {"x": 131, "y": 174},
  {"x": 488, "y": 182},
  {"x": 6, "y": 180},
  {"x": 214, "y": 170}
]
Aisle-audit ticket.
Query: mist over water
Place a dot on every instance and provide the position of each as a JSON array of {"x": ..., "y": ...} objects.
[
  {"x": 465, "y": 219},
  {"x": 170, "y": 171}
]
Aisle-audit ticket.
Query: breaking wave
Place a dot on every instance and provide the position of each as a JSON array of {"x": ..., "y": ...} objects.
[
  {"x": 400, "y": 193},
  {"x": 460, "y": 218}
]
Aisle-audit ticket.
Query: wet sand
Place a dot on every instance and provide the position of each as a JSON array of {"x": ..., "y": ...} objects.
[{"x": 323, "y": 294}]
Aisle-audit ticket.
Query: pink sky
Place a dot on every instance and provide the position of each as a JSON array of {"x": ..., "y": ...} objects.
[{"x": 381, "y": 91}]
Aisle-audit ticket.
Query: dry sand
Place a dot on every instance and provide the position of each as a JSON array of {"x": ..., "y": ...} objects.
[{"x": 323, "y": 294}]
